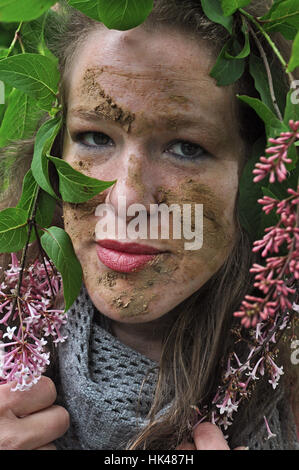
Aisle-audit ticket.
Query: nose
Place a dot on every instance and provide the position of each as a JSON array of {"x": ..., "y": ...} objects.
[{"x": 136, "y": 183}]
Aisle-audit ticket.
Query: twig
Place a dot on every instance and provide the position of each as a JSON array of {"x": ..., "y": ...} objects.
[
  {"x": 269, "y": 40},
  {"x": 268, "y": 71},
  {"x": 23, "y": 260},
  {"x": 25, "y": 249},
  {"x": 43, "y": 258}
]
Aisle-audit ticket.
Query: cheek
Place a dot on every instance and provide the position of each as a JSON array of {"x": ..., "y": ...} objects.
[
  {"x": 80, "y": 221},
  {"x": 218, "y": 206},
  {"x": 218, "y": 227}
]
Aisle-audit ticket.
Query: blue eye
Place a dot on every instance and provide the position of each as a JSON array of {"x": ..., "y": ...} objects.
[
  {"x": 94, "y": 139},
  {"x": 186, "y": 150}
]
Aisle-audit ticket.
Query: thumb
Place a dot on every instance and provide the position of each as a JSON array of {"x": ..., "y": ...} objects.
[
  {"x": 208, "y": 436},
  {"x": 186, "y": 446}
]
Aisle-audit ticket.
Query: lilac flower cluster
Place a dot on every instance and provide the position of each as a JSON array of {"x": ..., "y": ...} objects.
[
  {"x": 273, "y": 280},
  {"x": 240, "y": 375},
  {"x": 274, "y": 165},
  {"x": 269, "y": 314},
  {"x": 27, "y": 317}
]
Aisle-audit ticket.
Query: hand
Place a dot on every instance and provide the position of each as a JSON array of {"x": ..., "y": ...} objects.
[
  {"x": 29, "y": 420},
  {"x": 207, "y": 436}
]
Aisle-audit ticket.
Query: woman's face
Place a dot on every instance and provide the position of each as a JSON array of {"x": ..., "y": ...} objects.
[{"x": 143, "y": 110}]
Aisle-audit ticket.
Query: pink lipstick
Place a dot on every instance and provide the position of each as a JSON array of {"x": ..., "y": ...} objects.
[{"x": 124, "y": 257}]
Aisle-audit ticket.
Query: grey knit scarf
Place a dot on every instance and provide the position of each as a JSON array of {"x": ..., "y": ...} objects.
[{"x": 99, "y": 382}]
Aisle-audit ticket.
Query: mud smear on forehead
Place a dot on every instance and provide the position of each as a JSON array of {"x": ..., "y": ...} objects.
[{"x": 106, "y": 106}]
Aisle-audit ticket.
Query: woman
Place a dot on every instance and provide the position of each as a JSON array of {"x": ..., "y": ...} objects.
[{"x": 148, "y": 331}]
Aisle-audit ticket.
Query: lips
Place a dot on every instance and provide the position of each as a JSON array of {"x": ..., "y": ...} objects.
[{"x": 124, "y": 257}]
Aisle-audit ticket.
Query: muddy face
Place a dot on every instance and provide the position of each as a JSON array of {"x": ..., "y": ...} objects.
[{"x": 153, "y": 119}]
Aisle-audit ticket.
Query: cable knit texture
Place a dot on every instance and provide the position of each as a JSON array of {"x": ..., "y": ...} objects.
[{"x": 108, "y": 388}]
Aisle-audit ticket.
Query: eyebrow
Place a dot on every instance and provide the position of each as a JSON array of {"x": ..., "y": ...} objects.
[
  {"x": 181, "y": 119},
  {"x": 89, "y": 114}
]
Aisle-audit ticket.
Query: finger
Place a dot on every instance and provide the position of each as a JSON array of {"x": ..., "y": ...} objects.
[
  {"x": 186, "y": 446},
  {"x": 38, "y": 429},
  {"x": 241, "y": 448},
  {"x": 208, "y": 436},
  {"x": 48, "y": 447},
  {"x": 40, "y": 396}
]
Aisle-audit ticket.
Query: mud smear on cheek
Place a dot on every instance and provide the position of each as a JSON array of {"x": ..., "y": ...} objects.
[
  {"x": 80, "y": 220},
  {"x": 217, "y": 231},
  {"x": 106, "y": 106},
  {"x": 216, "y": 228},
  {"x": 85, "y": 209},
  {"x": 134, "y": 300},
  {"x": 82, "y": 166}
]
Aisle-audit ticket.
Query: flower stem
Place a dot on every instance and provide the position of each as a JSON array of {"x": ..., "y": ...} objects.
[
  {"x": 16, "y": 37},
  {"x": 43, "y": 258},
  {"x": 25, "y": 249}
]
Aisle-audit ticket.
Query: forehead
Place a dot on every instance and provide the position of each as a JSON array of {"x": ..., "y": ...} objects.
[{"x": 152, "y": 67}]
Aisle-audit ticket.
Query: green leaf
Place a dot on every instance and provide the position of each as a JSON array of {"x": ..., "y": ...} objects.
[
  {"x": 250, "y": 211},
  {"x": 58, "y": 246},
  {"x": 115, "y": 14},
  {"x": 43, "y": 143},
  {"x": 285, "y": 11},
  {"x": 213, "y": 10},
  {"x": 258, "y": 72},
  {"x": 45, "y": 209},
  {"x": 288, "y": 31},
  {"x": 227, "y": 71},
  {"x": 90, "y": 8},
  {"x": 33, "y": 74},
  {"x": 45, "y": 204},
  {"x": 29, "y": 189},
  {"x": 33, "y": 34},
  {"x": 230, "y": 6},
  {"x": 294, "y": 60},
  {"x": 3, "y": 53},
  {"x": 13, "y": 230},
  {"x": 20, "y": 119},
  {"x": 240, "y": 52},
  {"x": 273, "y": 125},
  {"x": 75, "y": 186},
  {"x": 23, "y": 10}
]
